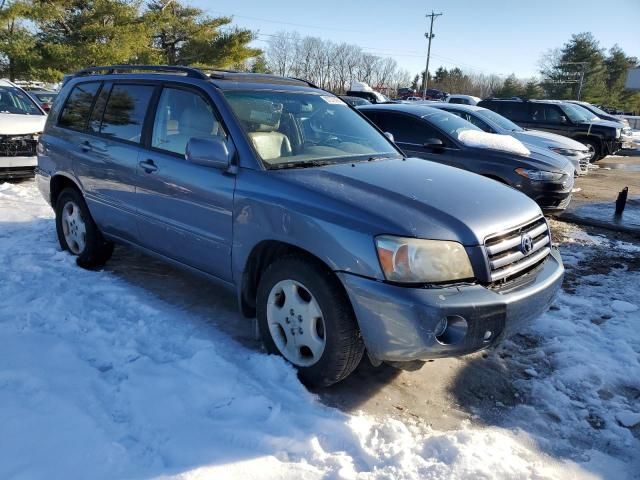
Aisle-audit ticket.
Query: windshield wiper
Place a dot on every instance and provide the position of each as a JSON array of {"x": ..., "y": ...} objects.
[
  {"x": 373, "y": 158},
  {"x": 303, "y": 164}
]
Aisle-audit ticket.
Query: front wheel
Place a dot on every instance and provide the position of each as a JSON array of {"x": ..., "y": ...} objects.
[
  {"x": 78, "y": 233},
  {"x": 305, "y": 316},
  {"x": 595, "y": 149}
]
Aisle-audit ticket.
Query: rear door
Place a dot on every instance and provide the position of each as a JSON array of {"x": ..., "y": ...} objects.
[
  {"x": 185, "y": 209},
  {"x": 109, "y": 155}
]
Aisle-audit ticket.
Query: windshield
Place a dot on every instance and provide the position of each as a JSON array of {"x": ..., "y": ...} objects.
[
  {"x": 291, "y": 129},
  {"x": 14, "y": 100},
  {"x": 594, "y": 109},
  {"x": 577, "y": 113},
  {"x": 498, "y": 119},
  {"x": 449, "y": 123}
]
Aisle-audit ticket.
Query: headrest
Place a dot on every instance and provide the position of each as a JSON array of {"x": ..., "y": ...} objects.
[
  {"x": 197, "y": 120},
  {"x": 260, "y": 115}
]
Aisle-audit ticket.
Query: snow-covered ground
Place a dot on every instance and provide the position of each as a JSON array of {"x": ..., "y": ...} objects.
[{"x": 102, "y": 377}]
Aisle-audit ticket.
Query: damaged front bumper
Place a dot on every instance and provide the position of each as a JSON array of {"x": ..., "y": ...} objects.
[{"x": 401, "y": 324}]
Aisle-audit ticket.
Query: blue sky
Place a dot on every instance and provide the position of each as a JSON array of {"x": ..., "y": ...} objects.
[{"x": 491, "y": 36}]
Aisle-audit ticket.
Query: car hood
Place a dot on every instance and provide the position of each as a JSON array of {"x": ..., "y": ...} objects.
[
  {"x": 416, "y": 198},
  {"x": 603, "y": 123},
  {"x": 15, "y": 124},
  {"x": 540, "y": 158},
  {"x": 547, "y": 139}
]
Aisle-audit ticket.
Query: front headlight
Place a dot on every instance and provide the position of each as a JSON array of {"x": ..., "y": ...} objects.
[
  {"x": 567, "y": 152},
  {"x": 618, "y": 132},
  {"x": 413, "y": 260},
  {"x": 539, "y": 175}
]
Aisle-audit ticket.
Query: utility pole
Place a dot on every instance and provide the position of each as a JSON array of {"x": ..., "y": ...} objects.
[
  {"x": 429, "y": 36},
  {"x": 583, "y": 67}
]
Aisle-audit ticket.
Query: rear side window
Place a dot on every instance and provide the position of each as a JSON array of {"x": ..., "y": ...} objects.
[
  {"x": 75, "y": 113},
  {"x": 515, "y": 111},
  {"x": 124, "y": 113}
]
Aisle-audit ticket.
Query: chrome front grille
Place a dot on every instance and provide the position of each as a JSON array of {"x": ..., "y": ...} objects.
[
  {"x": 517, "y": 250},
  {"x": 584, "y": 164}
]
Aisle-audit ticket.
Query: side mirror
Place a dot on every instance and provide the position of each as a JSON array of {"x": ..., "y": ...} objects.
[
  {"x": 208, "y": 152},
  {"x": 563, "y": 119},
  {"x": 434, "y": 143},
  {"x": 389, "y": 135}
]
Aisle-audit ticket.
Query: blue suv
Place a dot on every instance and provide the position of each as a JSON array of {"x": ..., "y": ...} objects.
[{"x": 289, "y": 197}]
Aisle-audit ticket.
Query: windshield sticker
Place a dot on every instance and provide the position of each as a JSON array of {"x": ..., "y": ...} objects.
[{"x": 333, "y": 100}]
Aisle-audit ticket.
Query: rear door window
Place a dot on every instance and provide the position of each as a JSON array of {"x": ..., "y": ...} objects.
[
  {"x": 515, "y": 111},
  {"x": 75, "y": 113},
  {"x": 125, "y": 111}
]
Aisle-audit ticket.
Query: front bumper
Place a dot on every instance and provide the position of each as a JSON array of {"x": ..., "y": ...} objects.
[
  {"x": 551, "y": 196},
  {"x": 17, "y": 167},
  {"x": 398, "y": 323}
]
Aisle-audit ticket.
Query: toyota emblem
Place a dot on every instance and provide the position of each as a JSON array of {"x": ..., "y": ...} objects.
[{"x": 526, "y": 244}]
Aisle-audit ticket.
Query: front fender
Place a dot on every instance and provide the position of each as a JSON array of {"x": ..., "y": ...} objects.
[{"x": 342, "y": 243}]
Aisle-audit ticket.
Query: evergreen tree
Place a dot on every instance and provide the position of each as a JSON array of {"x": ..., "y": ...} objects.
[
  {"x": 18, "y": 53},
  {"x": 186, "y": 36}
]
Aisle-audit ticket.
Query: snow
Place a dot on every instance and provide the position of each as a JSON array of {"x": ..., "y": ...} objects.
[
  {"x": 102, "y": 377},
  {"x": 628, "y": 419},
  {"x": 493, "y": 141},
  {"x": 622, "y": 306}
]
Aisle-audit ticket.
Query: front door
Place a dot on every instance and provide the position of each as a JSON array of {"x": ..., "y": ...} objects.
[
  {"x": 410, "y": 134},
  {"x": 185, "y": 210}
]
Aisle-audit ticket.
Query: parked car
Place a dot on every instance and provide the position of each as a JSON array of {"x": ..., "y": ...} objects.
[
  {"x": 285, "y": 195},
  {"x": 435, "y": 94},
  {"x": 21, "y": 122},
  {"x": 433, "y": 134},
  {"x": 561, "y": 118},
  {"x": 44, "y": 97},
  {"x": 355, "y": 101},
  {"x": 463, "y": 99},
  {"x": 598, "y": 112},
  {"x": 595, "y": 113},
  {"x": 489, "y": 121}
]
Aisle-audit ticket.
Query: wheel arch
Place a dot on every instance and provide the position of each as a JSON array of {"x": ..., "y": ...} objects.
[
  {"x": 261, "y": 256},
  {"x": 58, "y": 183}
]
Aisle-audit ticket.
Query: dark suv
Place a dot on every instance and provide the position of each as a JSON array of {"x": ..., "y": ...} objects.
[
  {"x": 561, "y": 118},
  {"x": 288, "y": 197}
]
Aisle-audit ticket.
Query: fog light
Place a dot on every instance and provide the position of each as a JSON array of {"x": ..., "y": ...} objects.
[
  {"x": 440, "y": 327},
  {"x": 487, "y": 335},
  {"x": 455, "y": 329}
]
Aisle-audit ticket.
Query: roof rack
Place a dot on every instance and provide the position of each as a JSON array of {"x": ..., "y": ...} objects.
[
  {"x": 205, "y": 73},
  {"x": 114, "y": 69}
]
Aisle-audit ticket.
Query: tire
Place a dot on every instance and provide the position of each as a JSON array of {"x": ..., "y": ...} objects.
[
  {"x": 296, "y": 282},
  {"x": 78, "y": 233},
  {"x": 595, "y": 146}
]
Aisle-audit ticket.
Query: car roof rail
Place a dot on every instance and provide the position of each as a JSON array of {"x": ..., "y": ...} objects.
[
  {"x": 236, "y": 75},
  {"x": 508, "y": 98},
  {"x": 114, "y": 69}
]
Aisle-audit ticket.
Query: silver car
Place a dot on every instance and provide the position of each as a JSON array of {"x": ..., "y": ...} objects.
[{"x": 578, "y": 154}]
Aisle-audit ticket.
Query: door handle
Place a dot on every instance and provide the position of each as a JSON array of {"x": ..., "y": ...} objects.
[
  {"x": 86, "y": 146},
  {"x": 148, "y": 166}
]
